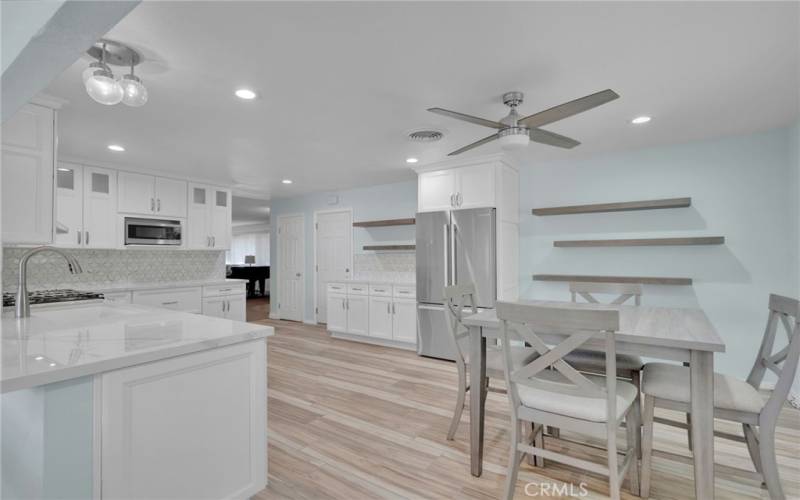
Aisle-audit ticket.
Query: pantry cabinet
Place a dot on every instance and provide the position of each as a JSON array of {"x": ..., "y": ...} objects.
[
  {"x": 209, "y": 217},
  {"x": 150, "y": 195},
  {"x": 86, "y": 199},
  {"x": 26, "y": 167}
]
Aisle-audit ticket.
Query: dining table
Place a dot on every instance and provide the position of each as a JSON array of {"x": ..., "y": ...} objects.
[{"x": 665, "y": 333}]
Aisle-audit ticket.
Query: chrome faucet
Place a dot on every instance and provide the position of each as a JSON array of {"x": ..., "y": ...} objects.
[{"x": 23, "y": 307}]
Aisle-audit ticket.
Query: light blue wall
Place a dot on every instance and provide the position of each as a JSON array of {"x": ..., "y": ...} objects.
[
  {"x": 386, "y": 201},
  {"x": 744, "y": 188}
]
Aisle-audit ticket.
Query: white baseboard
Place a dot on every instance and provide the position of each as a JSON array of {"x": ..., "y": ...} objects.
[
  {"x": 374, "y": 340},
  {"x": 310, "y": 322},
  {"x": 273, "y": 315}
]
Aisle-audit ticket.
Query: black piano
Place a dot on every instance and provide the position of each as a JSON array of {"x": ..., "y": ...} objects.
[{"x": 253, "y": 275}]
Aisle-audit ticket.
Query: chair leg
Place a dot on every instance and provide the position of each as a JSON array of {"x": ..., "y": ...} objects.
[
  {"x": 636, "y": 378},
  {"x": 514, "y": 457},
  {"x": 647, "y": 445},
  {"x": 532, "y": 459},
  {"x": 751, "y": 440},
  {"x": 689, "y": 423},
  {"x": 613, "y": 462},
  {"x": 632, "y": 427},
  {"x": 766, "y": 447},
  {"x": 538, "y": 441},
  {"x": 462, "y": 395}
]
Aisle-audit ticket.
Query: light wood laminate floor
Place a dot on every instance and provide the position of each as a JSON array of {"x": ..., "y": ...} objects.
[{"x": 350, "y": 420}]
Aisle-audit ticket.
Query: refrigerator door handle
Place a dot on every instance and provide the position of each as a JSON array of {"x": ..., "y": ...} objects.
[
  {"x": 446, "y": 231},
  {"x": 453, "y": 254}
]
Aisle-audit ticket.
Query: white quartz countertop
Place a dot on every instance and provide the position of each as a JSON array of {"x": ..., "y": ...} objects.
[
  {"x": 376, "y": 282},
  {"x": 63, "y": 342},
  {"x": 123, "y": 287}
]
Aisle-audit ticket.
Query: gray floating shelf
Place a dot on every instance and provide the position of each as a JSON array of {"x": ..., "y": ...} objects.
[
  {"x": 390, "y": 247},
  {"x": 385, "y": 223},
  {"x": 615, "y": 207},
  {"x": 643, "y": 242},
  {"x": 645, "y": 280}
]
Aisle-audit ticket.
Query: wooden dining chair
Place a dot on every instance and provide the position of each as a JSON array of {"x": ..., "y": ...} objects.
[
  {"x": 457, "y": 299},
  {"x": 667, "y": 386},
  {"x": 551, "y": 392}
]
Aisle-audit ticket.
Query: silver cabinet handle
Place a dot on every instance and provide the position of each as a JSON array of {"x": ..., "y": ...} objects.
[
  {"x": 208, "y": 241},
  {"x": 224, "y": 289},
  {"x": 452, "y": 200},
  {"x": 170, "y": 303},
  {"x": 87, "y": 237},
  {"x": 213, "y": 241},
  {"x": 446, "y": 231},
  {"x": 342, "y": 304},
  {"x": 458, "y": 199},
  {"x": 79, "y": 237},
  {"x": 158, "y": 205},
  {"x": 152, "y": 205},
  {"x": 297, "y": 275},
  {"x": 388, "y": 305},
  {"x": 348, "y": 304},
  {"x": 228, "y": 302}
]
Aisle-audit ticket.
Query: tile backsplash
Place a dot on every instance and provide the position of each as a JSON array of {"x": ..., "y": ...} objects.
[
  {"x": 105, "y": 267},
  {"x": 388, "y": 266}
]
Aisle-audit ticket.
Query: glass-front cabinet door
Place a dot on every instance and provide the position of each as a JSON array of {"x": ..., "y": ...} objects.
[
  {"x": 69, "y": 205},
  {"x": 100, "y": 208}
]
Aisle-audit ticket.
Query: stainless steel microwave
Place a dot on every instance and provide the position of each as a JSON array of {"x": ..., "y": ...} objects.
[{"x": 152, "y": 231}]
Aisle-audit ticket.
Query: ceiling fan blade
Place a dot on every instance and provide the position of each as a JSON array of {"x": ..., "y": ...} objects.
[
  {"x": 467, "y": 118},
  {"x": 474, "y": 145},
  {"x": 568, "y": 109},
  {"x": 552, "y": 139}
]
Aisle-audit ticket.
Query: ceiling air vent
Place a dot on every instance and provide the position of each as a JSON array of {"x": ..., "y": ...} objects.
[{"x": 425, "y": 136}]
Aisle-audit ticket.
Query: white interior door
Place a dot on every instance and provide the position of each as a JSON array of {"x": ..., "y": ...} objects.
[
  {"x": 334, "y": 254},
  {"x": 291, "y": 244}
]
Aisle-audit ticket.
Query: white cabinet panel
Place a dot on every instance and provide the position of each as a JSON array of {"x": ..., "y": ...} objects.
[
  {"x": 99, "y": 208},
  {"x": 337, "y": 312},
  {"x": 136, "y": 193},
  {"x": 358, "y": 314},
  {"x": 475, "y": 186},
  {"x": 170, "y": 195},
  {"x": 237, "y": 307},
  {"x": 436, "y": 189},
  {"x": 220, "y": 218},
  {"x": 179, "y": 299},
  {"x": 69, "y": 205},
  {"x": 405, "y": 321},
  {"x": 380, "y": 317},
  {"x": 199, "y": 217},
  {"x": 214, "y": 306},
  {"x": 159, "y": 421},
  {"x": 27, "y": 163}
]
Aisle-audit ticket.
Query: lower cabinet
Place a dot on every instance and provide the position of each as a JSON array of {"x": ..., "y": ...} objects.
[
  {"x": 226, "y": 301},
  {"x": 220, "y": 301},
  {"x": 177, "y": 299},
  {"x": 193, "y": 426},
  {"x": 381, "y": 316}
]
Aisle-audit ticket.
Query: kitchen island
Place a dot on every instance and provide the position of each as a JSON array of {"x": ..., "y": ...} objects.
[{"x": 103, "y": 400}]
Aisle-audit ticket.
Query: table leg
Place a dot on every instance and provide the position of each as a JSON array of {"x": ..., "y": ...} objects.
[
  {"x": 477, "y": 389},
  {"x": 702, "y": 409}
]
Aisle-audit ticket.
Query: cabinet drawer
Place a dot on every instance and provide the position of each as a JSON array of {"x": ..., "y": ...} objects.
[
  {"x": 223, "y": 290},
  {"x": 357, "y": 289},
  {"x": 178, "y": 299},
  {"x": 118, "y": 297},
  {"x": 405, "y": 291},
  {"x": 380, "y": 290},
  {"x": 337, "y": 288}
]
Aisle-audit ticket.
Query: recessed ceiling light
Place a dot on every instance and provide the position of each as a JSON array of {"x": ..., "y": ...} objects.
[
  {"x": 287, "y": 181},
  {"x": 245, "y": 94},
  {"x": 52, "y": 364},
  {"x": 116, "y": 147},
  {"x": 411, "y": 160},
  {"x": 62, "y": 169},
  {"x": 39, "y": 358},
  {"x": 640, "y": 119}
]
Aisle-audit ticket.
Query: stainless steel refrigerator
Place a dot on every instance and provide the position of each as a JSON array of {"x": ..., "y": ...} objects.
[{"x": 453, "y": 247}]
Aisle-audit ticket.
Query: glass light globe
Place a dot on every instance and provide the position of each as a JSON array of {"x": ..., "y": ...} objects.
[
  {"x": 103, "y": 88},
  {"x": 134, "y": 93},
  {"x": 88, "y": 72}
]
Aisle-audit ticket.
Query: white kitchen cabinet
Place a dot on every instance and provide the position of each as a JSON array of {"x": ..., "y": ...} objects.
[
  {"x": 475, "y": 186},
  {"x": 436, "y": 190},
  {"x": 214, "y": 306},
  {"x": 179, "y": 299},
  {"x": 150, "y": 195},
  {"x": 337, "y": 312},
  {"x": 404, "y": 320},
  {"x": 86, "y": 200},
  {"x": 358, "y": 314},
  {"x": 237, "y": 307},
  {"x": 227, "y": 301},
  {"x": 209, "y": 217},
  {"x": 26, "y": 168},
  {"x": 380, "y": 317},
  {"x": 159, "y": 420}
]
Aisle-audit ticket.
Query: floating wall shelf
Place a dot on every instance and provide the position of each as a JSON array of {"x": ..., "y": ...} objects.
[
  {"x": 390, "y": 247},
  {"x": 643, "y": 242},
  {"x": 386, "y": 222},
  {"x": 613, "y": 279},
  {"x": 615, "y": 207}
]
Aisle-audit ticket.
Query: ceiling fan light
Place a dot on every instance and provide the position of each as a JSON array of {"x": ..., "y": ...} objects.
[
  {"x": 103, "y": 88},
  {"x": 513, "y": 138},
  {"x": 134, "y": 93}
]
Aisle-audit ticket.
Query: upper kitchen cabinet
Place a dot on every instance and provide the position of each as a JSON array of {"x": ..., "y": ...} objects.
[
  {"x": 150, "y": 195},
  {"x": 209, "y": 219},
  {"x": 28, "y": 160},
  {"x": 86, "y": 201},
  {"x": 472, "y": 183}
]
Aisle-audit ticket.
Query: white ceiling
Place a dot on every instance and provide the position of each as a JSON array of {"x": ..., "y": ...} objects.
[
  {"x": 249, "y": 210},
  {"x": 340, "y": 84}
]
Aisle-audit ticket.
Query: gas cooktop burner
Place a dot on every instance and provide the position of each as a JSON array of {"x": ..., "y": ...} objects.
[{"x": 50, "y": 296}]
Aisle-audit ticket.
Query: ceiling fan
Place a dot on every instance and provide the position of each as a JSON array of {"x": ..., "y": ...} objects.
[{"x": 514, "y": 132}]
